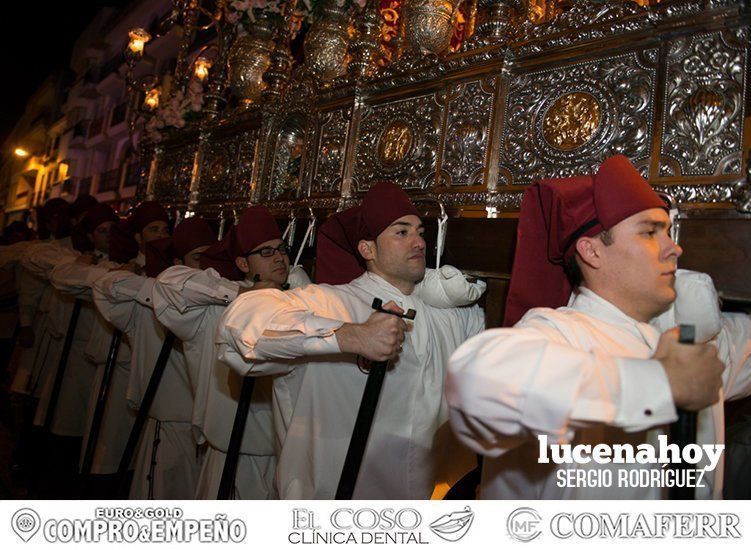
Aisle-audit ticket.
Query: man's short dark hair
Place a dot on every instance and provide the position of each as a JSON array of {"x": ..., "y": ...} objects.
[{"x": 573, "y": 269}]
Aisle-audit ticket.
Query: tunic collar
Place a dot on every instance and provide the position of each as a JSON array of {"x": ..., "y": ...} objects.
[
  {"x": 381, "y": 288},
  {"x": 586, "y": 301}
]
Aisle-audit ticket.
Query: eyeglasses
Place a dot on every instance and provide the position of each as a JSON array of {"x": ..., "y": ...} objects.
[{"x": 268, "y": 251}]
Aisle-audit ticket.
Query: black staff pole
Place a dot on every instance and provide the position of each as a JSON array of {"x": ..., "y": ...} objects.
[
  {"x": 365, "y": 416},
  {"x": 227, "y": 482},
  {"x": 683, "y": 431},
  {"x": 148, "y": 399},
  {"x": 101, "y": 402},
  {"x": 60, "y": 374}
]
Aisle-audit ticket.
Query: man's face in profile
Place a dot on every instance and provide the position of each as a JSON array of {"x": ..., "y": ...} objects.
[
  {"x": 638, "y": 268},
  {"x": 100, "y": 237},
  {"x": 399, "y": 254}
]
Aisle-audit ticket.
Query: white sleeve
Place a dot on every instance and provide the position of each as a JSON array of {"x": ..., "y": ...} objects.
[
  {"x": 734, "y": 346},
  {"x": 41, "y": 259},
  {"x": 76, "y": 278},
  {"x": 298, "y": 277},
  {"x": 116, "y": 295},
  {"x": 697, "y": 303},
  {"x": 12, "y": 253},
  {"x": 507, "y": 385},
  {"x": 240, "y": 332},
  {"x": 447, "y": 287},
  {"x": 181, "y": 296}
]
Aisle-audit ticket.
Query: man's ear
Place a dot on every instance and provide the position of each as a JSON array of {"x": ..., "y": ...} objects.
[
  {"x": 139, "y": 238},
  {"x": 242, "y": 264},
  {"x": 589, "y": 251},
  {"x": 366, "y": 250}
]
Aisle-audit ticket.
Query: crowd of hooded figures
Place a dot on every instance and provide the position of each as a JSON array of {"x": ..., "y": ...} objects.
[{"x": 152, "y": 363}]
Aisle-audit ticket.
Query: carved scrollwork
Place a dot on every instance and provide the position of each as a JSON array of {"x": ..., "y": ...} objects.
[
  {"x": 704, "y": 103},
  {"x": 622, "y": 87},
  {"x": 174, "y": 174},
  {"x": 329, "y": 160},
  {"x": 465, "y": 141},
  {"x": 227, "y": 168},
  {"x": 586, "y": 20},
  {"x": 415, "y": 168},
  {"x": 705, "y": 194}
]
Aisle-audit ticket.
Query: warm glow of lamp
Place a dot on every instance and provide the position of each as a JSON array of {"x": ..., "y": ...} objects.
[
  {"x": 21, "y": 152},
  {"x": 138, "y": 38},
  {"x": 151, "y": 101},
  {"x": 202, "y": 66},
  {"x": 62, "y": 169}
]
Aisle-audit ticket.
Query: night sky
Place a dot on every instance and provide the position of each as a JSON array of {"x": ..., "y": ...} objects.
[{"x": 37, "y": 38}]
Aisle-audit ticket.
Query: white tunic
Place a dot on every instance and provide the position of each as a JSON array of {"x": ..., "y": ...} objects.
[
  {"x": 117, "y": 419},
  {"x": 580, "y": 374},
  {"x": 317, "y": 389},
  {"x": 166, "y": 459},
  {"x": 190, "y": 302},
  {"x": 35, "y": 300},
  {"x": 70, "y": 414}
]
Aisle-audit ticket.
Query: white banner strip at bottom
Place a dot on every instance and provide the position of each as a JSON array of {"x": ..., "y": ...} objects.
[{"x": 434, "y": 524}]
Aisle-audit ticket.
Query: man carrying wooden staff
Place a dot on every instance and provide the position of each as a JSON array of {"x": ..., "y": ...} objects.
[
  {"x": 316, "y": 342},
  {"x": 606, "y": 371}
]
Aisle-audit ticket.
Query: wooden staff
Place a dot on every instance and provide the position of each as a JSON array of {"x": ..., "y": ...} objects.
[
  {"x": 365, "y": 416},
  {"x": 683, "y": 430},
  {"x": 227, "y": 483},
  {"x": 60, "y": 374},
  {"x": 101, "y": 402},
  {"x": 148, "y": 399}
]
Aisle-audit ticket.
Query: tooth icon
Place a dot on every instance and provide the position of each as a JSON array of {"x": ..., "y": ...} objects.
[
  {"x": 452, "y": 527},
  {"x": 25, "y": 523}
]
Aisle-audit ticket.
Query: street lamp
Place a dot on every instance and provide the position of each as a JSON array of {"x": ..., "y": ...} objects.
[
  {"x": 138, "y": 38},
  {"x": 21, "y": 152},
  {"x": 201, "y": 68},
  {"x": 151, "y": 100}
]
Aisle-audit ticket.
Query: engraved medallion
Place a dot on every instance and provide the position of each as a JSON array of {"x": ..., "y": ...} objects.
[
  {"x": 571, "y": 121},
  {"x": 394, "y": 143}
]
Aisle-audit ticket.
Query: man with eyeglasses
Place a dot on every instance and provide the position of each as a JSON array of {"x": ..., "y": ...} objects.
[
  {"x": 189, "y": 302},
  {"x": 317, "y": 342}
]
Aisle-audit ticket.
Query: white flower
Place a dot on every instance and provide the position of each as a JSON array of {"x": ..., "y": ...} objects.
[{"x": 241, "y": 5}]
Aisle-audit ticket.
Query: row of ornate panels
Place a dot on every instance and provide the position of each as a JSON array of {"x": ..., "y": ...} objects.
[{"x": 676, "y": 108}]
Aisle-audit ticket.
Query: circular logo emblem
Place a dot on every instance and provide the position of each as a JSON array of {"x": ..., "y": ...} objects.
[
  {"x": 25, "y": 523},
  {"x": 523, "y": 524},
  {"x": 571, "y": 121}
]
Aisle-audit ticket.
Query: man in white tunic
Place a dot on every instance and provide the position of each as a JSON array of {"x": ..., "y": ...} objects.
[
  {"x": 595, "y": 371},
  {"x": 166, "y": 461},
  {"x": 36, "y": 300},
  {"x": 310, "y": 340},
  {"x": 190, "y": 302},
  {"x": 69, "y": 417},
  {"x": 77, "y": 278}
]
